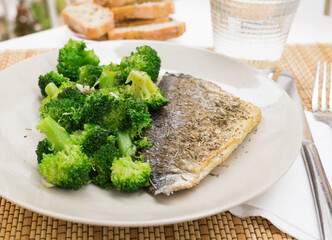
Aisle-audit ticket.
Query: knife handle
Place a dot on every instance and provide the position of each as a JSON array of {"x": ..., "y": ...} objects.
[{"x": 320, "y": 187}]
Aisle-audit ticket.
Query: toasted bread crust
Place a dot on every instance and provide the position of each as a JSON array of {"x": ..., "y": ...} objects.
[
  {"x": 118, "y": 3},
  {"x": 159, "y": 31},
  {"x": 148, "y": 10},
  {"x": 73, "y": 16},
  {"x": 101, "y": 2},
  {"x": 140, "y": 22}
]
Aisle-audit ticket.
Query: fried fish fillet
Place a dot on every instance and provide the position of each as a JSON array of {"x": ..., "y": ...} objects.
[{"x": 197, "y": 131}]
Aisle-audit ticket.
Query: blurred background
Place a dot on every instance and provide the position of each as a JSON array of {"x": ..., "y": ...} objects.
[{"x": 22, "y": 17}]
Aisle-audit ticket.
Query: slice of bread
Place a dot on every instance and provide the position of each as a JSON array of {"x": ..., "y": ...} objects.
[
  {"x": 158, "y": 31},
  {"x": 149, "y": 10},
  {"x": 117, "y": 3},
  {"x": 89, "y": 19},
  {"x": 139, "y": 22},
  {"x": 101, "y": 2}
]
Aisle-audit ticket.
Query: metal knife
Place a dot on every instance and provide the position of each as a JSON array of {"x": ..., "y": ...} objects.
[{"x": 320, "y": 186}]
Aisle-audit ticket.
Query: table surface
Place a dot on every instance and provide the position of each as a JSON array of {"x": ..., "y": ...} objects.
[
  {"x": 307, "y": 28},
  {"x": 19, "y": 223}
]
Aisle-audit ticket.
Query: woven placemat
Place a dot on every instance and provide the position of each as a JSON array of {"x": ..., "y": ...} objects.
[{"x": 19, "y": 223}]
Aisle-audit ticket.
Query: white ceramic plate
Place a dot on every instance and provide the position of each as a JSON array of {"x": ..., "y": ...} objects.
[{"x": 262, "y": 159}]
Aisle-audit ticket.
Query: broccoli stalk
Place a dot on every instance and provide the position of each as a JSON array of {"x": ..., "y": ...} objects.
[
  {"x": 128, "y": 175},
  {"x": 143, "y": 89},
  {"x": 52, "y": 90},
  {"x": 125, "y": 144},
  {"x": 56, "y": 135},
  {"x": 43, "y": 147},
  {"x": 67, "y": 167}
]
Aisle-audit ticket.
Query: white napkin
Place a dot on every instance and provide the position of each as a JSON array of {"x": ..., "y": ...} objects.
[{"x": 289, "y": 204}]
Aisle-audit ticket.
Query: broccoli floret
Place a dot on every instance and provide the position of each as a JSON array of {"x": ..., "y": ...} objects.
[
  {"x": 65, "y": 85},
  {"x": 117, "y": 91},
  {"x": 115, "y": 113},
  {"x": 72, "y": 56},
  {"x": 128, "y": 175},
  {"x": 72, "y": 93},
  {"x": 65, "y": 111},
  {"x": 67, "y": 167},
  {"x": 143, "y": 143},
  {"x": 89, "y": 75},
  {"x": 53, "y": 93},
  {"x": 43, "y": 147},
  {"x": 102, "y": 162},
  {"x": 143, "y": 89},
  {"x": 50, "y": 77},
  {"x": 105, "y": 110},
  {"x": 145, "y": 59},
  {"x": 107, "y": 78},
  {"x": 92, "y": 138},
  {"x": 139, "y": 117}
]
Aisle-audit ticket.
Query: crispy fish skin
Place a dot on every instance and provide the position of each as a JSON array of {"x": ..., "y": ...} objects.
[{"x": 197, "y": 131}]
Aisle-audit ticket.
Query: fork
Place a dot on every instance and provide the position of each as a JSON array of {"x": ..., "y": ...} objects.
[{"x": 322, "y": 113}]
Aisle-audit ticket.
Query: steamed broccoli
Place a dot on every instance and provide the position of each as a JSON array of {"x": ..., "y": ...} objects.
[
  {"x": 102, "y": 162},
  {"x": 43, "y": 147},
  {"x": 124, "y": 118},
  {"x": 73, "y": 94},
  {"x": 92, "y": 138},
  {"x": 72, "y": 56},
  {"x": 145, "y": 59},
  {"x": 50, "y": 77},
  {"x": 94, "y": 135},
  {"x": 143, "y": 143},
  {"x": 138, "y": 116},
  {"x": 52, "y": 90},
  {"x": 67, "y": 167},
  {"x": 65, "y": 111},
  {"x": 128, "y": 175},
  {"x": 105, "y": 110},
  {"x": 89, "y": 75},
  {"x": 125, "y": 143},
  {"x": 53, "y": 93},
  {"x": 107, "y": 78},
  {"x": 115, "y": 113},
  {"x": 145, "y": 90}
]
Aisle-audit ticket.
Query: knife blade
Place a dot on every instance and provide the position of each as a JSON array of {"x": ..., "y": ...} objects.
[{"x": 320, "y": 186}]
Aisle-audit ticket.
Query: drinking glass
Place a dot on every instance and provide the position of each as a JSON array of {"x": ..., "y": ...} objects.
[{"x": 252, "y": 31}]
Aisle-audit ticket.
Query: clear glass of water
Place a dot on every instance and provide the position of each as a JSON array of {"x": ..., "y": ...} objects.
[{"x": 252, "y": 31}]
